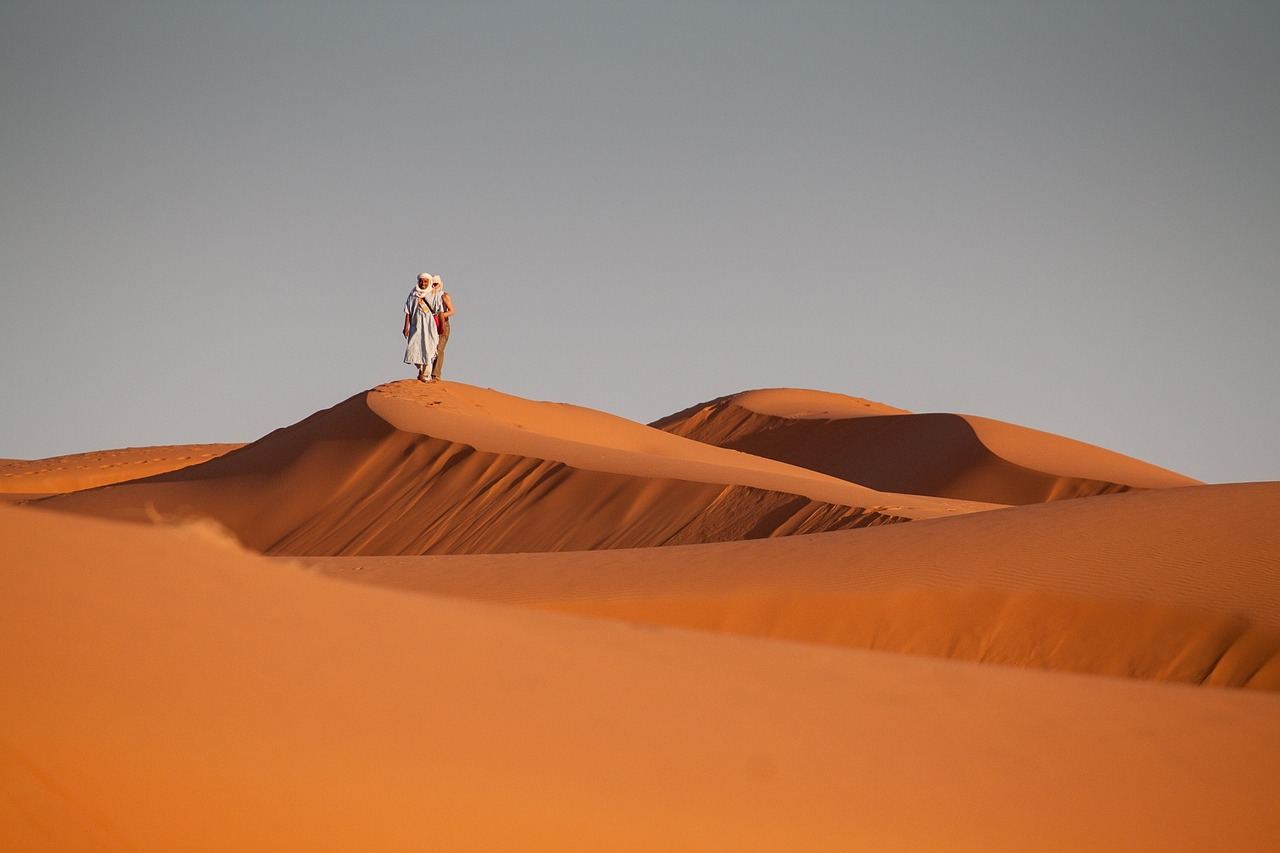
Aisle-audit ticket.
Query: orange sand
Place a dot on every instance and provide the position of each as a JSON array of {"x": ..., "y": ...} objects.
[
  {"x": 957, "y": 456},
  {"x": 34, "y": 477},
  {"x": 164, "y": 690},
  {"x": 416, "y": 469},
  {"x": 1179, "y": 584}
]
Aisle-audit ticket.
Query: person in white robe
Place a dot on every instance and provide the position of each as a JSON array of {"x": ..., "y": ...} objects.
[{"x": 421, "y": 334}]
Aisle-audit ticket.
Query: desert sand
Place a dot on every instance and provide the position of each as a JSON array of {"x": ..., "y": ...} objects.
[
  {"x": 438, "y": 618},
  {"x": 23, "y": 479},
  {"x": 1139, "y": 584},
  {"x": 168, "y": 690},
  {"x": 415, "y": 469},
  {"x": 959, "y": 456}
]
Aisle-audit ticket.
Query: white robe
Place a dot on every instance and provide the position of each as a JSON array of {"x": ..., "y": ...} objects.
[{"x": 420, "y": 348}]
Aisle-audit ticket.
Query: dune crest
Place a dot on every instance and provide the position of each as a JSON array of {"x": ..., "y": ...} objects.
[
  {"x": 790, "y": 404},
  {"x": 77, "y": 471},
  {"x": 415, "y": 469},
  {"x": 593, "y": 440},
  {"x": 945, "y": 455}
]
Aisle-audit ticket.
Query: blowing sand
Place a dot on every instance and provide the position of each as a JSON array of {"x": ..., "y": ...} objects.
[{"x": 895, "y": 638}]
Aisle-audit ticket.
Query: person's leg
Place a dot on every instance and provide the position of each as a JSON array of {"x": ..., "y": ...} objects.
[
  {"x": 439, "y": 362},
  {"x": 413, "y": 348}
]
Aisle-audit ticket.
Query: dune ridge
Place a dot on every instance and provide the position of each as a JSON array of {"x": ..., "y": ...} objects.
[
  {"x": 165, "y": 689},
  {"x": 1173, "y": 584},
  {"x": 593, "y": 440},
  {"x": 945, "y": 455},
  {"x": 379, "y": 474},
  {"x": 76, "y": 471}
]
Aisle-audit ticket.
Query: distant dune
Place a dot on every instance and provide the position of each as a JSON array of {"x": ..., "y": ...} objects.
[
  {"x": 955, "y": 456},
  {"x": 415, "y": 469},
  {"x": 165, "y": 690},
  {"x": 35, "y": 477}
]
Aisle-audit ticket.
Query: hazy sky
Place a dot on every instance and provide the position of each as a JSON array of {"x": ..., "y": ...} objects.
[{"x": 1062, "y": 214}]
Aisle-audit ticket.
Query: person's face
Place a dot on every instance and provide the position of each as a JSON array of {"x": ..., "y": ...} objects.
[{"x": 422, "y": 282}]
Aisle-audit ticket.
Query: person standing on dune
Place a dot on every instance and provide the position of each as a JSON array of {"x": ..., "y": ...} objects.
[
  {"x": 420, "y": 331},
  {"x": 442, "y": 325}
]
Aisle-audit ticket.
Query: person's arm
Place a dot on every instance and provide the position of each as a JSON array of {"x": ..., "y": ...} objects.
[
  {"x": 406, "y": 322},
  {"x": 448, "y": 307}
]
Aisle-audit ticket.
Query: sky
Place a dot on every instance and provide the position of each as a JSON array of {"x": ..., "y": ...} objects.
[{"x": 1060, "y": 214}]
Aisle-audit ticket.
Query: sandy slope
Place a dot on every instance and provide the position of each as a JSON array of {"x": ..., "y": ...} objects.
[
  {"x": 415, "y": 469},
  {"x": 1174, "y": 584},
  {"x": 163, "y": 690},
  {"x": 30, "y": 477},
  {"x": 958, "y": 456}
]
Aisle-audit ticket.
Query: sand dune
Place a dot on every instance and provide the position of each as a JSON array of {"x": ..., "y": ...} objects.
[
  {"x": 57, "y": 474},
  {"x": 165, "y": 690},
  {"x": 958, "y": 456},
  {"x": 414, "y": 469},
  {"x": 1174, "y": 584}
]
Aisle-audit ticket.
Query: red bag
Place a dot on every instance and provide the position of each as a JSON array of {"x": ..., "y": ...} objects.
[{"x": 439, "y": 324}]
